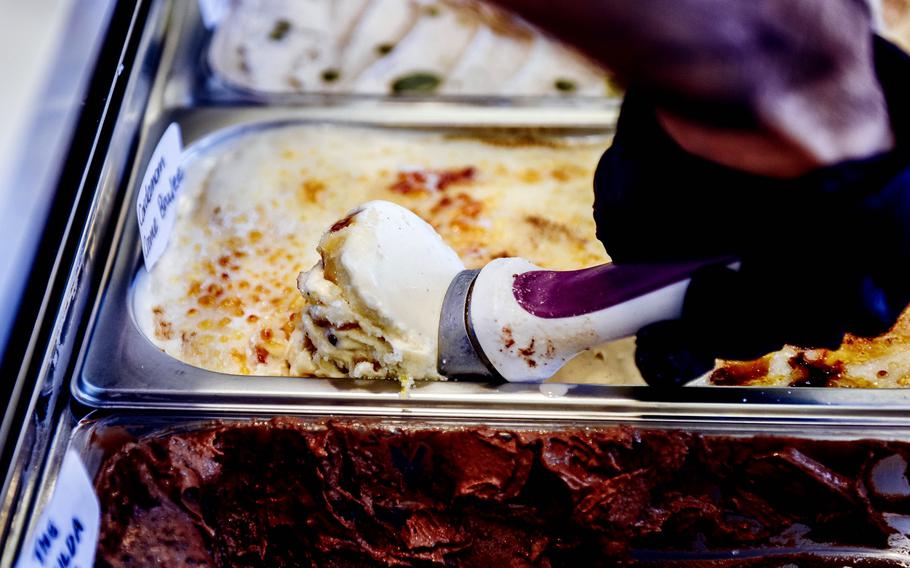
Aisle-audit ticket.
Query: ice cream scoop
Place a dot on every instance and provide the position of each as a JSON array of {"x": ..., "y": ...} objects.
[
  {"x": 391, "y": 300},
  {"x": 513, "y": 320}
]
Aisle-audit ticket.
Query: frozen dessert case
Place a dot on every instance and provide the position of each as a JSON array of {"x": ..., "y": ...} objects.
[{"x": 177, "y": 387}]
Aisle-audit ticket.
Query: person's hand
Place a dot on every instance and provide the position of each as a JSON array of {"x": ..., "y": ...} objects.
[
  {"x": 774, "y": 87},
  {"x": 766, "y": 131},
  {"x": 822, "y": 254}
]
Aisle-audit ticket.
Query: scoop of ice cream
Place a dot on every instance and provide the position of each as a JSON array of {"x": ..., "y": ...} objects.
[{"x": 372, "y": 304}]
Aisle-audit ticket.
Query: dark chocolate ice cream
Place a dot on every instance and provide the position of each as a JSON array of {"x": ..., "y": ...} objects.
[{"x": 297, "y": 493}]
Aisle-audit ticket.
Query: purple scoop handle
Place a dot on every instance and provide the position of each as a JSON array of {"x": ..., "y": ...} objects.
[{"x": 549, "y": 294}]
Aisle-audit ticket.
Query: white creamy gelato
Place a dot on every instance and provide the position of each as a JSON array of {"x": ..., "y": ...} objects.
[
  {"x": 372, "y": 304},
  {"x": 254, "y": 207},
  {"x": 394, "y": 47}
]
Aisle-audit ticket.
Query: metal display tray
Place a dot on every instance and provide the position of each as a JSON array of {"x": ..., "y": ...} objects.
[
  {"x": 196, "y": 80},
  {"x": 119, "y": 367},
  {"x": 122, "y": 368},
  {"x": 100, "y": 434}
]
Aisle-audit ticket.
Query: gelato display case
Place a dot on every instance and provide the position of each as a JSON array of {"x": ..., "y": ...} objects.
[{"x": 186, "y": 383}]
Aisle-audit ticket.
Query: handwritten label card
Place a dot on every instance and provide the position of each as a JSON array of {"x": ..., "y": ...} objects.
[
  {"x": 156, "y": 203},
  {"x": 67, "y": 532}
]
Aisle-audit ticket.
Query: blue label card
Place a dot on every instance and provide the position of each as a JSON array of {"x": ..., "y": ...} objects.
[
  {"x": 156, "y": 203},
  {"x": 66, "y": 535}
]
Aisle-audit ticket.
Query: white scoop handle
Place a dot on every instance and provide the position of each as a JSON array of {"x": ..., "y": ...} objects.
[{"x": 529, "y": 322}]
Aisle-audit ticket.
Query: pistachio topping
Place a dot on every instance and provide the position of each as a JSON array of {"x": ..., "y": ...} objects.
[
  {"x": 565, "y": 85},
  {"x": 279, "y": 30},
  {"x": 384, "y": 49},
  {"x": 419, "y": 82}
]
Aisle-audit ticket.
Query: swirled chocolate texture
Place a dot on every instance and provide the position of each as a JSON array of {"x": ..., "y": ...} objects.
[{"x": 297, "y": 493}]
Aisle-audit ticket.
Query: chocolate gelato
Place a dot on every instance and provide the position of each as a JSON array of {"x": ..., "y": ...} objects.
[{"x": 295, "y": 493}]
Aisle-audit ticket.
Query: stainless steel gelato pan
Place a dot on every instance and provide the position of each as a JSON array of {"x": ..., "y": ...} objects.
[
  {"x": 455, "y": 50},
  {"x": 641, "y": 491},
  {"x": 259, "y": 191}
]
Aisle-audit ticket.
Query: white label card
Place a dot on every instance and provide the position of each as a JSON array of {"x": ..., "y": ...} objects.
[
  {"x": 212, "y": 11},
  {"x": 66, "y": 535},
  {"x": 156, "y": 204}
]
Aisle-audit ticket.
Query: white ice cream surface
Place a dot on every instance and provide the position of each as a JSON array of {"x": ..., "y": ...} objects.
[
  {"x": 394, "y": 47},
  {"x": 255, "y": 206}
]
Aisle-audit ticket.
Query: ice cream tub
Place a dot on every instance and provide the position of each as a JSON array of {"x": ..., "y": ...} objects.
[
  {"x": 365, "y": 490},
  {"x": 215, "y": 323},
  {"x": 452, "y": 51}
]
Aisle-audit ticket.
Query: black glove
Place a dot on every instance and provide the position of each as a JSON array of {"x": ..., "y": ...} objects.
[{"x": 821, "y": 255}]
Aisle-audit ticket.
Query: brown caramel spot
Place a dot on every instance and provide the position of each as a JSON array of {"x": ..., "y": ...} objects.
[
  {"x": 233, "y": 305},
  {"x": 428, "y": 181},
  {"x": 288, "y": 328},
  {"x": 527, "y": 353},
  {"x": 468, "y": 206},
  {"x": 741, "y": 373},
  {"x": 551, "y": 350},
  {"x": 238, "y": 357},
  {"x": 530, "y": 175},
  {"x": 529, "y": 350},
  {"x": 552, "y": 230},
  {"x": 452, "y": 177},
  {"x": 444, "y": 202},
  {"x": 342, "y": 223},
  {"x": 311, "y": 189},
  {"x": 814, "y": 373},
  {"x": 567, "y": 172},
  {"x": 163, "y": 329},
  {"x": 262, "y": 354},
  {"x": 508, "y": 340}
]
